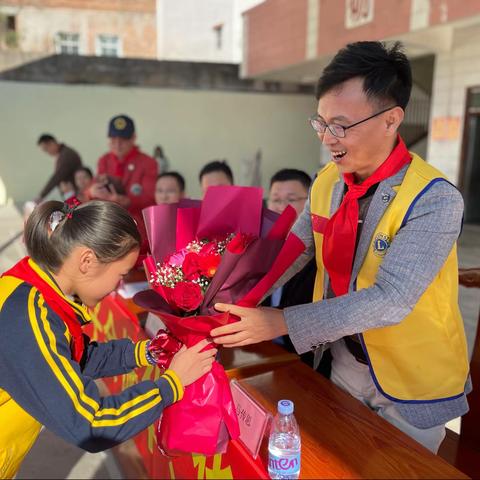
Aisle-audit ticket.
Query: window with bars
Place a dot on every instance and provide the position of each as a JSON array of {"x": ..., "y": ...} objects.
[
  {"x": 66, "y": 42},
  {"x": 108, "y": 46}
]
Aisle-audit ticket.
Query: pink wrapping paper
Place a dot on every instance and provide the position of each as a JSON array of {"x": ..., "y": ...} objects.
[{"x": 194, "y": 424}]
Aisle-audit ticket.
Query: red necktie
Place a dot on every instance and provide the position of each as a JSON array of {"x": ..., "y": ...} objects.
[{"x": 341, "y": 230}]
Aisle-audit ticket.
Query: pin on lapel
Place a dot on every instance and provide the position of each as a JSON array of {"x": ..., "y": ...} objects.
[{"x": 385, "y": 197}]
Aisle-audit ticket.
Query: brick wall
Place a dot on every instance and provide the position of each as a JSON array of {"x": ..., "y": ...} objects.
[
  {"x": 390, "y": 18},
  {"x": 442, "y": 11},
  {"x": 276, "y": 34}
]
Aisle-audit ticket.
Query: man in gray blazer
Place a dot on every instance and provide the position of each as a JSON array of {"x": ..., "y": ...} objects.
[{"x": 382, "y": 225}]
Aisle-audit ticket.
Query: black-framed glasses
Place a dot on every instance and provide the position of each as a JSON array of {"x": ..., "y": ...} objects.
[{"x": 339, "y": 130}]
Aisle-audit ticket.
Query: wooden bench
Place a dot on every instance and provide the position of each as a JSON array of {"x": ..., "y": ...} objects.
[{"x": 463, "y": 450}]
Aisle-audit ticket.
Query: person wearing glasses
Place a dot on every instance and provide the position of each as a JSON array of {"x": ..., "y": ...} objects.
[
  {"x": 382, "y": 225},
  {"x": 290, "y": 186}
]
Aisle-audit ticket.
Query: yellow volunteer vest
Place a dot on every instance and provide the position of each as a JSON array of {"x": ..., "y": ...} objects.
[
  {"x": 18, "y": 429},
  {"x": 424, "y": 357}
]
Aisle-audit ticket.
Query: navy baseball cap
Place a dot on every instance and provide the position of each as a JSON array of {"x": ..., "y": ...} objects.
[{"x": 121, "y": 126}]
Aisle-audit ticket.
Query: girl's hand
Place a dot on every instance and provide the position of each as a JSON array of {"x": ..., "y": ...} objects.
[{"x": 191, "y": 363}]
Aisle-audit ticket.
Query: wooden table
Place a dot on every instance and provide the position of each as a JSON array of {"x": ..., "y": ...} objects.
[{"x": 342, "y": 438}]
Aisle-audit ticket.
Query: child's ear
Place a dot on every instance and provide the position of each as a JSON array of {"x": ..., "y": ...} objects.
[{"x": 87, "y": 260}]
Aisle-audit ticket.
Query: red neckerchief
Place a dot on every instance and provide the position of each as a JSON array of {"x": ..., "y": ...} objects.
[
  {"x": 120, "y": 164},
  {"x": 341, "y": 230},
  {"x": 23, "y": 271}
]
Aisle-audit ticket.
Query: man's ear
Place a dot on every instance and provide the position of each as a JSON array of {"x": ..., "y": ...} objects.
[
  {"x": 87, "y": 259},
  {"x": 393, "y": 120}
]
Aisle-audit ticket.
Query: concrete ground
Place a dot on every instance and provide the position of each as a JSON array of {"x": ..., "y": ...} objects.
[{"x": 52, "y": 458}]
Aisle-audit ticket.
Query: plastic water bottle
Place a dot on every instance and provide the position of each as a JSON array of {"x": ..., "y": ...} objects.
[{"x": 284, "y": 444}]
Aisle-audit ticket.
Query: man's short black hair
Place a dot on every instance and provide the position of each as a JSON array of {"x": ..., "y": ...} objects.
[
  {"x": 287, "y": 174},
  {"x": 216, "y": 166},
  {"x": 386, "y": 72},
  {"x": 177, "y": 176},
  {"x": 46, "y": 138}
]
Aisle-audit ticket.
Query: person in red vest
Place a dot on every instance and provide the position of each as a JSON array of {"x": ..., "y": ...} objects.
[
  {"x": 48, "y": 366},
  {"x": 125, "y": 175}
]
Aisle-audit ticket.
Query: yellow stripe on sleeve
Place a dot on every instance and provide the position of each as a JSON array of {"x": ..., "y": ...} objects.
[
  {"x": 119, "y": 421},
  {"x": 48, "y": 357},
  {"x": 77, "y": 381}
]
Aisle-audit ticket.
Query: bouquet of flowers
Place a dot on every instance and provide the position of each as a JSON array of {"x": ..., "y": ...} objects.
[{"x": 223, "y": 249}]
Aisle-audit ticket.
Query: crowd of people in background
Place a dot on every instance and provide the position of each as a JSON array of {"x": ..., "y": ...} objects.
[{"x": 135, "y": 180}]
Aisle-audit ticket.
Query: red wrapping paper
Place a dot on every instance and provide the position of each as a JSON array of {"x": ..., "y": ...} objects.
[{"x": 205, "y": 419}]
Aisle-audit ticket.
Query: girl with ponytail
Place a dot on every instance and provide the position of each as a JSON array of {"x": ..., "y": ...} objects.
[{"x": 47, "y": 365}]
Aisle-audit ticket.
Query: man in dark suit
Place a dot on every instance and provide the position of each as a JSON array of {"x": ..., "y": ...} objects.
[{"x": 290, "y": 186}]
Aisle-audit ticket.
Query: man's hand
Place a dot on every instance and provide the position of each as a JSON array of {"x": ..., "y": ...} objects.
[
  {"x": 255, "y": 325},
  {"x": 99, "y": 191}
]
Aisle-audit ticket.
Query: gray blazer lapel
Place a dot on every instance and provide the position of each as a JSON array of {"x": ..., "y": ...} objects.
[
  {"x": 380, "y": 202},
  {"x": 337, "y": 196}
]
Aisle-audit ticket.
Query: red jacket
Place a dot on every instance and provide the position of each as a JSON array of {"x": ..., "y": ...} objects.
[{"x": 138, "y": 173}]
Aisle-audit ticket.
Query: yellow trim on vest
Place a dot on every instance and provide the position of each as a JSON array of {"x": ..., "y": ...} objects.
[
  {"x": 320, "y": 202},
  {"x": 424, "y": 357},
  {"x": 17, "y": 435}
]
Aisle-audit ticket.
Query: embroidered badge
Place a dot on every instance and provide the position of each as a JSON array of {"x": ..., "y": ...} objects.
[
  {"x": 120, "y": 123},
  {"x": 136, "y": 189},
  {"x": 381, "y": 244}
]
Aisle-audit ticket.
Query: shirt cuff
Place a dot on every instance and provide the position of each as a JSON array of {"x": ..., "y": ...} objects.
[
  {"x": 171, "y": 377},
  {"x": 141, "y": 354}
]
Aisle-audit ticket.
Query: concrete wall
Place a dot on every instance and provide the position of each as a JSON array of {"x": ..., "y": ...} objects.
[
  {"x": 186, "y": 29},
  {"x": 192, "y": 126},
  {"x": 455, "y": 71}
]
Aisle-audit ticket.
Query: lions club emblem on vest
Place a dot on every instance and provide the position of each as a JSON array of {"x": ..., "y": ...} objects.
[{"x": 381, "y": 244}]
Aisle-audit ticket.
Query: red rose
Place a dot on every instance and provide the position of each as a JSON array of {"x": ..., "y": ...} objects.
[
  {"x": 187, "y": 296},
  {"x": 191, "y": 266},
  {"x": 209, "y": 248},
  {"x": 239, "y": 243},
  {"x": 209, "y": 264}
]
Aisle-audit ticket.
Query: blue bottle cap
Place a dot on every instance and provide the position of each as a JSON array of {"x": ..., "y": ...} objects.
[{"x": 285, "y": 407}]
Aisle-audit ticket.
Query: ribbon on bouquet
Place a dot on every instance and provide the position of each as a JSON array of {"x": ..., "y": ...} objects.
[{"x": 163, "y": 347}]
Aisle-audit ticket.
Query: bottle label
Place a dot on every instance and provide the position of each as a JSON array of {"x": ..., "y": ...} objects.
[{"x": 284, "y": 465}]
